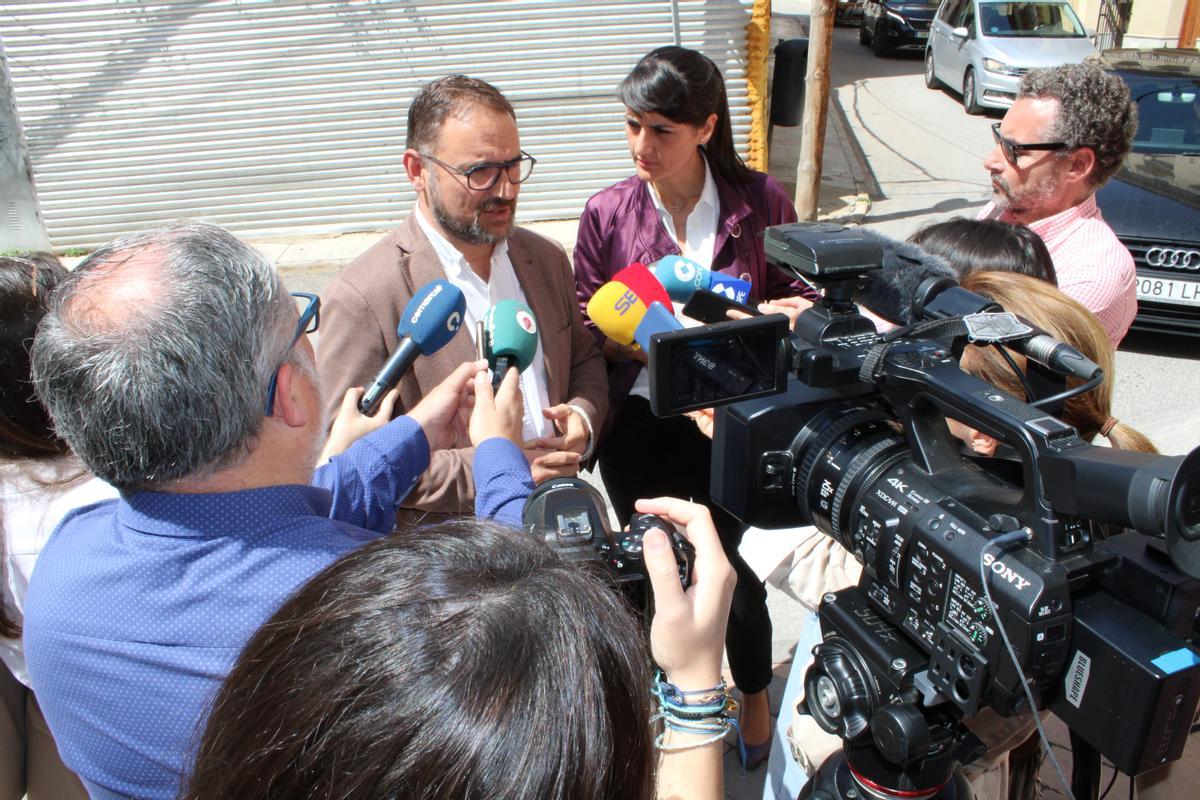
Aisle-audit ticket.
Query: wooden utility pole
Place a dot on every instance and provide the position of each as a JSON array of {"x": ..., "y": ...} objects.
[{"x": 816, "y": 105}]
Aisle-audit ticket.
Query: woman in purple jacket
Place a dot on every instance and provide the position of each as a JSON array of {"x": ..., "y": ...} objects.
[{"x": 691, "y": 196}]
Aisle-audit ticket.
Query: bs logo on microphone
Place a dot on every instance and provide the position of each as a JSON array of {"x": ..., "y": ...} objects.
[
  {"x": 525, "y": 320},
  {"x": 453, "y": 322},
  {"x": 685, "y": 270}
]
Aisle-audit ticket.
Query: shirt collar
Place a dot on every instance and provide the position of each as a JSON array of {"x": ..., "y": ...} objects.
[
  {"x": 1048, "y": 226},
  {"x": 204, "y": 516},
  {"x": 708, "y": 194},
  {"x": 454, "y": 263}
]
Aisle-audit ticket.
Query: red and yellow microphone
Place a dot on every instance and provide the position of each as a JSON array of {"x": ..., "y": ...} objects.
[{"x": 618, "y": 306}]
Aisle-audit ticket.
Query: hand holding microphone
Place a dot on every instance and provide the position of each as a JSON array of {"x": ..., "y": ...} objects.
[
  {"x": 430, "y": 320},
  {"x": 351, "y": 424},
  {"x": 438, "y": 413},
  {"x": 497, "y": 415}
]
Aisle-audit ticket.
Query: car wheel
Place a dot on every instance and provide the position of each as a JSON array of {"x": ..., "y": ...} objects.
[
  {"x": 879, "y": 44},
  {"x": 931, "y": 81},
  {"x": 862, "y": 32},
  {"x": 970, "y": 100}
]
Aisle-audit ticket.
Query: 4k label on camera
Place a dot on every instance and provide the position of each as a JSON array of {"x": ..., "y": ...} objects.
[{"x": 1077, "y": 677}]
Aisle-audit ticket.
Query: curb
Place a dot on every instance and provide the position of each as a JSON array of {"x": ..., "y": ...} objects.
[{"x": 860, "y": 169}]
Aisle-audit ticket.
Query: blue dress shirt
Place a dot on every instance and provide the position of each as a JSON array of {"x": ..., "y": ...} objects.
[{"x": 138, "y": 607}]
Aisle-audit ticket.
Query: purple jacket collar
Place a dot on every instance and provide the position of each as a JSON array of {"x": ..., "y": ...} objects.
[{"x": 653, "y": 237}]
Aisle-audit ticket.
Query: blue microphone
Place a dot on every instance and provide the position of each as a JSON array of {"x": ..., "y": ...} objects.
[
  {"x": 730, "y": 288},
  {"x": 658, "y": 318},
  {"x": 429, "y": 322},
  {"x": 682, "y": 278}
]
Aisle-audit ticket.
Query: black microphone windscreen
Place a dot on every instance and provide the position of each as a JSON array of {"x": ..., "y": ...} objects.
[{"x": 893, "y": 289}]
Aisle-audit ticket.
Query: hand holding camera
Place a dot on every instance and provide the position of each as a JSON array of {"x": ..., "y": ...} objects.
[{"x": 687, "y": 634}]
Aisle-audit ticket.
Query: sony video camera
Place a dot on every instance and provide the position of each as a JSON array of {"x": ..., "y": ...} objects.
[{"x": 835, "y": 425}]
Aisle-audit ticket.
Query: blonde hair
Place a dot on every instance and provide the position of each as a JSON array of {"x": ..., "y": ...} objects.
[{"x": 1048, "y": 308}]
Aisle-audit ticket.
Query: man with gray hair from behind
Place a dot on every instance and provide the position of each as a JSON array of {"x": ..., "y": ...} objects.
[
  {"x": 178, "y": 368},
  {"x": 1065, "y": 135}
]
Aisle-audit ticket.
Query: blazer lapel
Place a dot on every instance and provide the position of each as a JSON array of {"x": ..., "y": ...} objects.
[
  {"x": 541, "y": 295},
  {"x": 424, "y": 267}
]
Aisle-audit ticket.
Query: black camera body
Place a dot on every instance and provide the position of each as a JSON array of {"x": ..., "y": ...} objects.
[
  {"x": 569, "y": 515},
  {"x": 955, "y": 547}
]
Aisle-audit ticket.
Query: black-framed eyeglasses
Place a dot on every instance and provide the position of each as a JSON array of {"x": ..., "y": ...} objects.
[
  {"x": 482, "y": 177},
  {"x": 308, "y": 305},
  {"x": 1012, "y": 150}
]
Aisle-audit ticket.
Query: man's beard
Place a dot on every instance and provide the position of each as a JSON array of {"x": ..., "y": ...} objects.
[
  {"x": 469, "y": 230},
  {"x": 1029, "y": 201}
]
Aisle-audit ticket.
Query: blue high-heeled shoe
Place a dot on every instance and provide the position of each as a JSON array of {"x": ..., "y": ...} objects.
[{"x": 752, "y": 756}]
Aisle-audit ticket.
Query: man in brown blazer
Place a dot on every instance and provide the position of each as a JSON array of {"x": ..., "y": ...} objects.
[{"x": 464, "y": 160}]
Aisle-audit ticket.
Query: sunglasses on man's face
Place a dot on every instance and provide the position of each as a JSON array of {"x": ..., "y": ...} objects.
[{"x": 1013, "y": 150}]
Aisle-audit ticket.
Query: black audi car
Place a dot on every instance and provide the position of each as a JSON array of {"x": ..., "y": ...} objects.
[
  {"x": 1153, "y": 202},
  {"x": 888, "y": 25}
]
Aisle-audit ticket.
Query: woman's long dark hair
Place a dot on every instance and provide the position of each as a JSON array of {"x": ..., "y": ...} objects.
[
  {"x": 685, "y": 87},
  {"x": 463, "y": 660},
  {"x": 972, "y": 245},
  {"x": 25, "y": 428},
  {"x": 26, "y": 432}
]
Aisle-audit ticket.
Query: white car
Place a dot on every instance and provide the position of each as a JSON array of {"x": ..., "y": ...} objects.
[{"x": 983, "y": 47}]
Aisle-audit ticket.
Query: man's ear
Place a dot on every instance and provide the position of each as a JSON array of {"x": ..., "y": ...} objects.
[
  {"x": 290, "y": 403},
  {"x": 983, "y": 444},
  {"x": 1081, "y": 163},
  {"x": 414, "y": 166}
]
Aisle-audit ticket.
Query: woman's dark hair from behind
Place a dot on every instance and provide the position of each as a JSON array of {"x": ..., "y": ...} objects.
[
  {"x": 972, "y": 245},
  {"x": 685, "y": 87},
  {"x": 26, "y": 432},
  {"x": 25, "y": 284},
  {"x": 462, "y": 660}
]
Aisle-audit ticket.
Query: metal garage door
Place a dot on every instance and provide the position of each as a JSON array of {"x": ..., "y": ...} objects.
[{"x": 276, "y": 117}]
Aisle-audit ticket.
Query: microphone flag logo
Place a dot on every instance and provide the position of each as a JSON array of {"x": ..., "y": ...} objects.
[
  {"x": 454, "y": 322},
  {"x": 526, "y": 321}
]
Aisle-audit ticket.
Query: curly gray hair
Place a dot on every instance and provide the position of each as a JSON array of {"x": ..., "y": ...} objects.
[{"x": 1094, "y": 111}]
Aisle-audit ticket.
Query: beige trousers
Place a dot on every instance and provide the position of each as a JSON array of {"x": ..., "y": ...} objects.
[{"x": 29, "y": 762}]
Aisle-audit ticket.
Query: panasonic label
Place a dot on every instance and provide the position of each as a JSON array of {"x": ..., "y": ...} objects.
[{"x": 1075, "y": 681}]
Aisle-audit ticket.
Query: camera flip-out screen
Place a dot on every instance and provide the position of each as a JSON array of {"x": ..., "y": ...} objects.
[{"x": 717, "y": 364}]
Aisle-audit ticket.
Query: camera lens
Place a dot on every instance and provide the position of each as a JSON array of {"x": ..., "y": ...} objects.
[{"x": 842, "y": 450}]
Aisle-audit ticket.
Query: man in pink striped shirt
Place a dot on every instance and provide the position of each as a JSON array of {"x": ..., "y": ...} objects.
[{"x": 1065, "y": 135}]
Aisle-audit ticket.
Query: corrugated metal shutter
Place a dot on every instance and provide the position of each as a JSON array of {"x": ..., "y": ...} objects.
[{"x": 277, "y": 117}]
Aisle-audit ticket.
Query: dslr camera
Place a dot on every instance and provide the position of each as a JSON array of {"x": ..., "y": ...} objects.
[
  {"x": 570, "y": 516},
  {"x": 986, "y": 584}
]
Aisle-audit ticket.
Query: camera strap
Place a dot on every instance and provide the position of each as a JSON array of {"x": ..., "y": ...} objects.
[{"x": 933, "y": 329}]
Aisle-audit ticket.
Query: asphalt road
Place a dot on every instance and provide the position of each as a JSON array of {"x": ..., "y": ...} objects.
[{"x": 924, "y": 154}]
